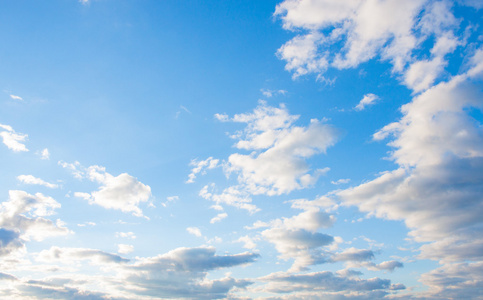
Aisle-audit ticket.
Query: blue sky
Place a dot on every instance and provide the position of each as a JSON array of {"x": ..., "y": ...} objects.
[{"x": 241, "y": 149}]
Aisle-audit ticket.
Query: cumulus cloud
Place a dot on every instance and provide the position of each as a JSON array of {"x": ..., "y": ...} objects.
[
  {"x": 30, "y": 179},
  {"x": 297, "y": 237},
  {"x": 368, "y": 99},
  {"x": 436, "y": 190},
  {"x": 122, "y": 192},
  {"x": 22, "y": 217},
  {"x": 391, "y": 30},
  {"x": 44, "y": 154},
  {"x": 13, "y": 140},
  {"x": 277, "y": 164}
]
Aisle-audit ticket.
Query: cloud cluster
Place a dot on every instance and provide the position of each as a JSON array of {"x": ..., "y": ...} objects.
[
  {"x": 122, "y": 192},
  {"x": 277, "y": 164},
  {"x": 436, "y": 190},
  {"x": 391, "y": 30},
  {"x": 23, "y": 217}
]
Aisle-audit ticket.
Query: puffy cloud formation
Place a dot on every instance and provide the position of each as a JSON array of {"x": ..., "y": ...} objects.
[
  {"x": 122, "y": 192},
  {"x": 22, "y": 217},
  {"x": 277, "y": 164},
  {"x": 12, "y": 139},
  {"x": 390, "y": 29},
  {"x": 437, "y": 188}
]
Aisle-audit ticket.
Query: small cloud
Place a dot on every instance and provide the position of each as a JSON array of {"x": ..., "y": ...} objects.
[
  {"x": 15, "y": 97},
  {"x": 29, "y": 179},
  {"x": 200, "y": 167},
  {"x": 194, "y": 231},
  {"x": 218, "y": 218},
  {"x": 127, "y": 235},
  {"x": 368, "y": 99},
  {"x": 341, "y": 181},
  {"x": 222, "y": 117},
  {"x": 125, "y": 249},
  {"x": 13, "y": 140},
  {"x": 44, "y": 154},
  {"x": 270, "y": 93},
  {"x": 182, "y": 109}
]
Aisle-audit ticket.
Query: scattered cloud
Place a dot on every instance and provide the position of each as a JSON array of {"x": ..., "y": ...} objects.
[
  {"x": 128, "y": 235},
  {"x": 124, "y": 248},
  {"x": 270, "y": 93},
  {"x": 15, "y": 97},
  {"x": 368, "y": 99},
  {"x": 218, "y": 218},
  {"x": 122, "y": 192},
  {"x": 199, "y": 167},
  {"x": 194, "y": 231},
  {"x": 30, "y": 179},
  {"x": 341, "y": 181},
  {"x": 13, "y": 140}
]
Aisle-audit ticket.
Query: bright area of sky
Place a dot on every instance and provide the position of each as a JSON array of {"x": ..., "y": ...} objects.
[{"x": 297, "y": 149}]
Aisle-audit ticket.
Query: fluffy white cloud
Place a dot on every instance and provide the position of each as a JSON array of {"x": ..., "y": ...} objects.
[
  {"x": 22, "y": 217},
  {"x": 437, "y": 188},
  {"x": 30, "y": 179},
  {"x": 12, "y": 139},
  {"x": 390, "y": 29},
  {"x": 44, "y": 154},
  {"x": 297, "y": 237},
  {"x": 277, "y": 164},
  {"x": 368, "y": 99},
  {"x": 122, "y": 192}
]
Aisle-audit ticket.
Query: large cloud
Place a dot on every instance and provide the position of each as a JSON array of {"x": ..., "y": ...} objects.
[
  {"x": 389, "y": 29},
  {"x": 437, "y": 188}
]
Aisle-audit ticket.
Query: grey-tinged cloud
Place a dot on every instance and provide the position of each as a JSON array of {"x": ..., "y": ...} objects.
[
  {"x": 181, "y": 273},
  {"x": 123, "y": 192},
  {"x": 13, "y": 140},
  {"x": 297, "y": 237},
  {"x": 9, "y": 241},
  {"x": 400, "y": 28},
  {"x": 69, "y": 255},
  {"x": 327, "y": 285},
  {"x": 13, "y": 216},
  {"x": 437, "y": 188},
  {"x": 279, "y": 150}
]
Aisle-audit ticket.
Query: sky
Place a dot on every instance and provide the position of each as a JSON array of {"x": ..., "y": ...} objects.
[{"x": 296, "y": 149}]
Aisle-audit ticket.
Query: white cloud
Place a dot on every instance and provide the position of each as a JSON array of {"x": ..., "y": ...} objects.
[
  {"x": 234, "y": 196},
  {"x": 23, "y": 215},
  {"x": 270, "y": 93},
  {"x": 436, "y": 190},
  {"x": 218, "y": 218},
  {"x": 44, "y": 154},
  {"x": 194, "y": 231},
  {"x": 277, "y": 164},
  {"x": 200, "y": 167},
  {"x": 368, "y": 99},
  {"x": 399, "y": 28},
  {"x": 29, "y": 179},
  {"x": 124, "y": 248},
  {"x": 341, "y": 181},
  {"x": 68, "y": 255},
  {"x": 297, "y": 237},
  {"x": 15, "y": 97},
  {"x": 129, "y": 235},
  {"x": 248, "y": 242},
  {"x": 122, "y": 192},
  {"x": 13, "y": 140}
]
